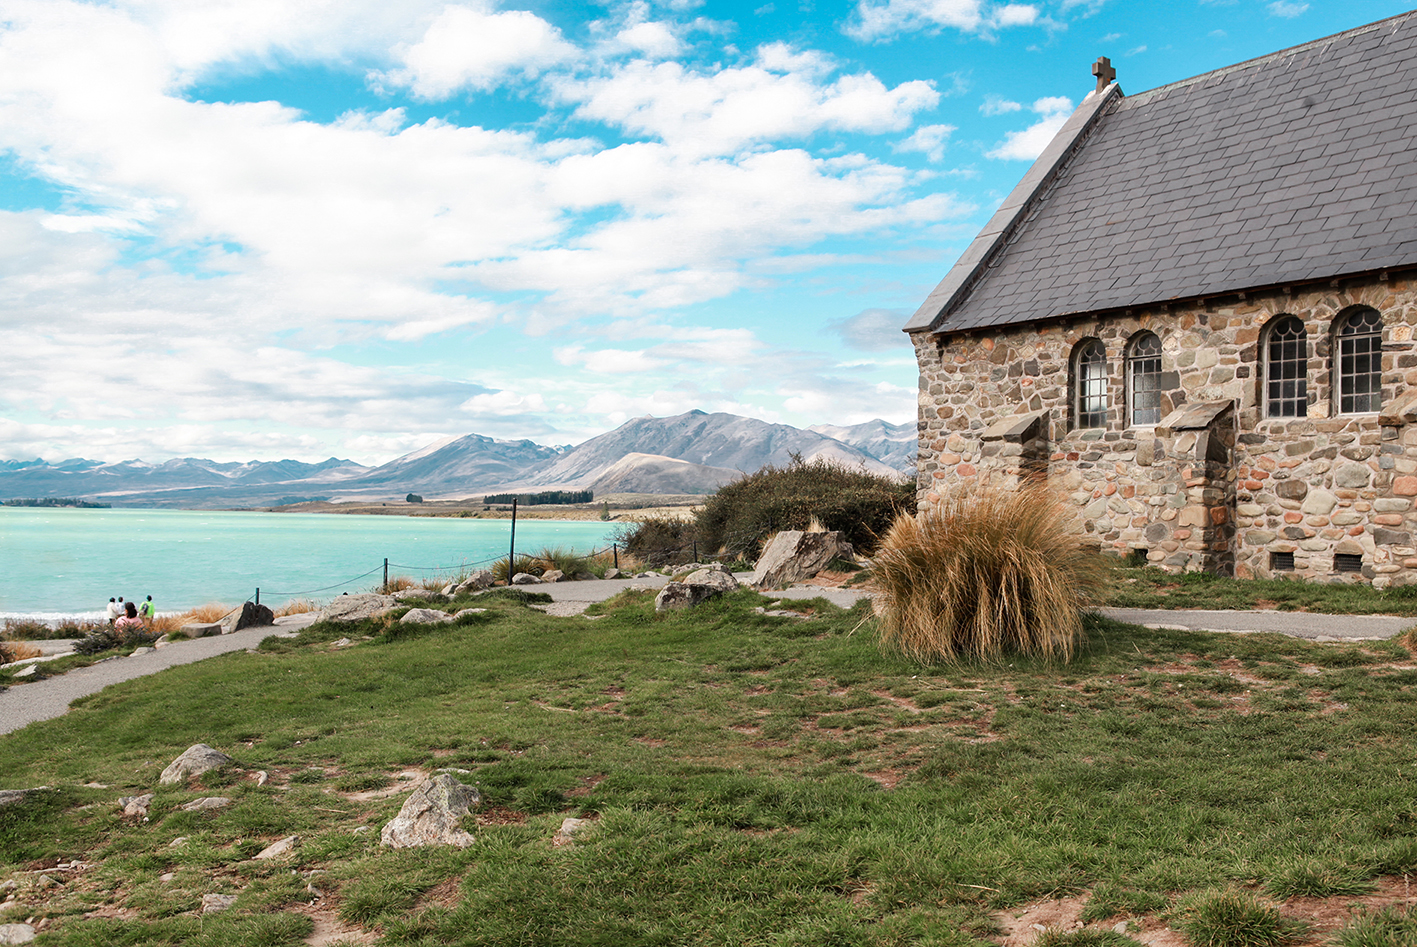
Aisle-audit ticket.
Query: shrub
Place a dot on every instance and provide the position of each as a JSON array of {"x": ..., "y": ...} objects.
[
  {"x": 564, "y": 559},
  {"x": 18, "y": 629},
  {"x": 104, "y": 639},
  {"x": 1233, "y": 918},
  {"x": 742, "y": 514},
  {"x": 658, "y": 540},
  {"x": 986, "y": 572}
]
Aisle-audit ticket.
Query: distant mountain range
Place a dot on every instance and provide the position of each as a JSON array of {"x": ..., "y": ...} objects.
[{"x": 690, "y": 453}]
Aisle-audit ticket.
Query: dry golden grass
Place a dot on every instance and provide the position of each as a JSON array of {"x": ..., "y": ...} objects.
[
  {"x": 987, "y": 572},
  {"x": 17, "y": 651},
  {"x": 397, "y": 583},
  {"x": 202, "y": 614},
  {"x": 297, "y": 606}
]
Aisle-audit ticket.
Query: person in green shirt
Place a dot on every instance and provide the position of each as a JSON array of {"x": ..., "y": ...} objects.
[{"x": 145, "y": 611}]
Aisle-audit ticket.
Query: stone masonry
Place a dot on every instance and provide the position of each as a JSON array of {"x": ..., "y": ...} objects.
[{"x": 1216, "y": 485}]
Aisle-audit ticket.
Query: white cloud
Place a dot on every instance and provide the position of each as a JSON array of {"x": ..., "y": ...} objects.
[
  {"x": 653, "y": 39},
  {"x": 1135, "y": 50},
  {"x": 874, "y": 20},
  {"x": 472, "y": 48},
  {"x": 1110, "y": 38},
  {"x": 930, "y": 140},
  {"x": 722, "y": 111},
  {"x": 1029, "y": 143},
  {"x": 873, "y": 330},
  {"x": 1286, "y": 9},
  {"x": 998, "y": 105},
  {"x": 503, "y": 403}
]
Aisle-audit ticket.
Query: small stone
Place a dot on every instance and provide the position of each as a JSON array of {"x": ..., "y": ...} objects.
[
  {"x": 276, "y": 849},
  {"x": 167, "y": 876},
  {"x": 569, "y": 829},
  {"x": 136, "y": 806},
  {"x": 262, "y": 778},
  {"x": 468, "y": 611},
  {"x": 177, "y": 842},
  {"x": 1120, "y": 927},
  {"x": 137, "y": 651},
  {"x": 555, "y": 575},
  {"x": 342, "y": 643},
  {"x": 525, "y": 578},
  {"x": 28, "y": 671},
  {"x": 216, "y": 903},
  {"x": 206, "y": 802}
]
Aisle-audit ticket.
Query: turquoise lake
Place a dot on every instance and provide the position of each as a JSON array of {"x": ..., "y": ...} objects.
[{"x": 66, "y": 562}]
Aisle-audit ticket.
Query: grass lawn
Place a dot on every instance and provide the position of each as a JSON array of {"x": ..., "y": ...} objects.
[
  {"x": 753, "y": 780},
  {"x": 1153, "y": 588}
]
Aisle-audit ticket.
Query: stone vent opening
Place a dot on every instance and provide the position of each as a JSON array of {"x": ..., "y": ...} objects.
[
  {"x": 1347, "y": 562},
  {"x": 1281, "y": 561}
]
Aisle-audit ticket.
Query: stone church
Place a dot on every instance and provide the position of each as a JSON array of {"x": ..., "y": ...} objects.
[{"x": 1194, "y": 316}]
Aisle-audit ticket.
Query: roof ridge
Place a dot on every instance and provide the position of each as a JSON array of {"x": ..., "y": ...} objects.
[{"x": 1141, "y": 97}]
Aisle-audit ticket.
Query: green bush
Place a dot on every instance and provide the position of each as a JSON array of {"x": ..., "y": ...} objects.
[
  {"x": 658, "y": 540},
  {"x": 984, "y": 573},
  {"x": 741, "y": 515}
]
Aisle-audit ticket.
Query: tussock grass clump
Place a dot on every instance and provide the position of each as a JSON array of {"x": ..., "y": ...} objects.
[
  {"x": 201, "y": 615},
  {"x": 1233, "y": 918},
  {"x": 524, "y": 563},
  {"x": 11, "y": 651},
  {"x": 1310, "y": 878},
  {"x": 984, "y": 573},
  {"x": 1393, "y": 926},
  {"x": 297, "y": 606}
]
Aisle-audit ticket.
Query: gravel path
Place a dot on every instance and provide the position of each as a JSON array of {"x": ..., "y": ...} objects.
[{"x": 43, "y": 700}]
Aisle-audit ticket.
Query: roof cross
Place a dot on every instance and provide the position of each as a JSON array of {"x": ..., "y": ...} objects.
[{"x": 1104, "y": 72}]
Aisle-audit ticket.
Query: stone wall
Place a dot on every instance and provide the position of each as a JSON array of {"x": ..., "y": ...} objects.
[{"x": 1227, "y": 495}]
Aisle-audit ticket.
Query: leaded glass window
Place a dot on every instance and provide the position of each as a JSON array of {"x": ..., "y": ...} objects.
[
  {"x": 1144, "y": 381},
  {"x": 1091, "y": 375},
  {"x": 1360, "y": 363},
  {"x": 1286, "y": 370}
]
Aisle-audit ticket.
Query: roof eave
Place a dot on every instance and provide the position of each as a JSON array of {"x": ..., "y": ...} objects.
[{"x": 1012, "y": 212}]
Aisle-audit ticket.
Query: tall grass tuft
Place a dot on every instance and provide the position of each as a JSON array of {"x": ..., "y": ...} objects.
[
  {"x": 1234, "y": 918},
  {"x": 984, "y": 573},
  {"x": 1393, "y": 926}
]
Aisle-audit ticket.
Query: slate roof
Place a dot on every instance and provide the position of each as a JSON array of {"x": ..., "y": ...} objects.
[{"x": 1292, "y": 167}]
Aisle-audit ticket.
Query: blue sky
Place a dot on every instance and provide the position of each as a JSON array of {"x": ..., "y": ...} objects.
[{"x": 256, "y": 229}]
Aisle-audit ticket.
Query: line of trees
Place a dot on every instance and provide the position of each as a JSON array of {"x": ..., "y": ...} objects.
[
  {"x": 542, "y": 499},
  {"x": 56, "y": 501}
]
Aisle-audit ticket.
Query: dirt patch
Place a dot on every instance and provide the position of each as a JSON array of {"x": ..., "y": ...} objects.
[
  {"x": 901, "y": 702},
  {"x": 588, "y": 783},
  {"x": 501, "y": 815},
  {"x": 445, "y": 894},
  {"x": 330, "y": 929},
  {"x": 403, "y": 782}
]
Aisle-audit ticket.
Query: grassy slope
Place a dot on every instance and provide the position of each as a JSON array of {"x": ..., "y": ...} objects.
[{"x": 735, "y": 763}]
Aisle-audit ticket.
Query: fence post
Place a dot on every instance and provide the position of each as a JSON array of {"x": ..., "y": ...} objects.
[
  {"x": 615, "y": 547},
  {"x": 512, "y": 551},
  {"x": 386, "y": 574},
  {"x": 696, "y": 550},
  {"x": 258, "y": 596}
]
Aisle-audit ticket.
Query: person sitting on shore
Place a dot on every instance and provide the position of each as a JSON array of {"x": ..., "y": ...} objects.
[{"x": 130, "y": 620}]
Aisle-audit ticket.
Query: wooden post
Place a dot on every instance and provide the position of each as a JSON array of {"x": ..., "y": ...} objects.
[
  {"x": 512, "y": 552},
  {"x": 386, "y": 575}
]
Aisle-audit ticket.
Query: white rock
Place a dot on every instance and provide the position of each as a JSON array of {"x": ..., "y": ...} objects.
[
  {"x": 356, "y": 607},
  {"x": 425, "y": 616},
  {"x": 206, "y": 802},
  {"x": 16, "y": 933},
  {"x": 432, "y": 815},
  {"x": 177, "y": 842},
  {"x": 136, "y": 806},
  {"x": 793, "y": 555},
  {"x": 276, "y": 849},
  {"x": 468, "y": 611},
  {"x": 525, "y": 578},
  {"x": 216, "y": 903},
  {"x": 195, "y": 760}
]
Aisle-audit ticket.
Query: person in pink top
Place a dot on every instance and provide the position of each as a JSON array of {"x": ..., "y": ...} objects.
[{"x": 130, "y": 620}]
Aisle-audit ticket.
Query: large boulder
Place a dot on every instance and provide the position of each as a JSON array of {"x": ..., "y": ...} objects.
[
  {"x": 479, "y": 580},
  {"x": 526, "y": 578},
  {"x": 694, "y": 588},
  {"x": 17, "y": 933},
  {"x": 793, "y": 556},
  {"x": 13, "y": 797},
  {"x": 555, "y": 575},
  {"x": 433, "y": 815},
  {"x": 251, "y": 615},
  {"x": 412, "y": 595},
  {"x": 205, "y": 629},
  {"x": 194, "y": 761},
  {"x": 356, "y": 607}
]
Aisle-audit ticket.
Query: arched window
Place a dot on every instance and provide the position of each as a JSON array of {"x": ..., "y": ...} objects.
[
  {"x": 1286, "y": 370},
  {"x": 1090, "y": 378},
  {"x": 1144, "y": 381},
  {"x": 1360, "y": 363}
]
